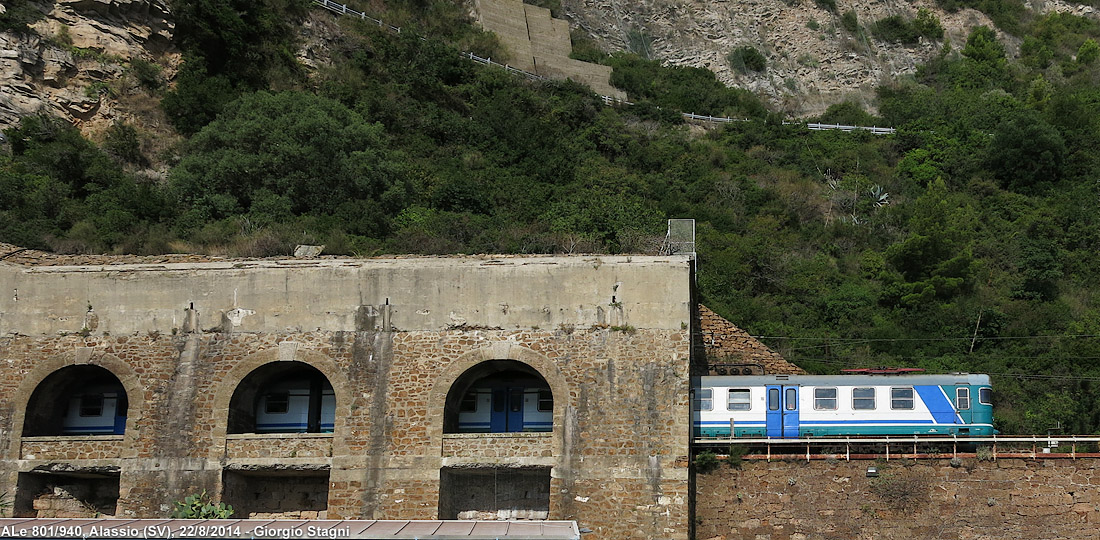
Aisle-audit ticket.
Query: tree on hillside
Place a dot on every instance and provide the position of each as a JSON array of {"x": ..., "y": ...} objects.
[{"x": 274, "y": 156}]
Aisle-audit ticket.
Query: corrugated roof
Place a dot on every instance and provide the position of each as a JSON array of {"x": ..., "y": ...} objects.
[{"x": 198, "y": 529}]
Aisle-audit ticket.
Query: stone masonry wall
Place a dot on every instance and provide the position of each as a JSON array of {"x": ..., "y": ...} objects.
[
  {"x": 617, "y": 455},
  {"x": 72, "y": 447},
  {"x": 497, "y": 445},
  {"x": 282, "y": 445},
  {"x": 724, "y": 342},
  {"x": 1007, "y": 498}
]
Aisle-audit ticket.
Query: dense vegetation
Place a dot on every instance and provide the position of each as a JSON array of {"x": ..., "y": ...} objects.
[{"x": 966, "y": 242}]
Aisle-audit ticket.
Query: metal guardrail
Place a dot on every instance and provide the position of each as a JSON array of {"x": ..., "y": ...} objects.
[
  {"x": 342, "y": 9},
  {"x": 345, "y": 10},
  {"x": 991, "y": 447},
  {"x": 875, "y": 130}
]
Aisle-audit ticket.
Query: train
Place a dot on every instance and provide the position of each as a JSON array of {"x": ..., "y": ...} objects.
[
  {"x": 284, "y": 407},
  {"x": 504, "y": 409},
  {"x": 858, "y": 404},
  {"x": 98, "y": 410}
]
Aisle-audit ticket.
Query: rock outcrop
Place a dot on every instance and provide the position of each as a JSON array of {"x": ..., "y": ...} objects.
[
  {"x": 73, "y": 62},
  {"x": 812, "y": 61}
]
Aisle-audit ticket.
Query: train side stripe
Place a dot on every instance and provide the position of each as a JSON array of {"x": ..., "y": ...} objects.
[{"x": 936, "y": 400}]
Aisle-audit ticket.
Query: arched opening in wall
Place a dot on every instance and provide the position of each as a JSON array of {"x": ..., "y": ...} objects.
[
  {"x": 499, "y": 396},
  {"x": 283, "y": 397},
  {"x": 77, "y": 400}
]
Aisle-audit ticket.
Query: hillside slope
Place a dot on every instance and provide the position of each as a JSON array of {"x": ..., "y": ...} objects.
[{"x": 812, "y": 60}]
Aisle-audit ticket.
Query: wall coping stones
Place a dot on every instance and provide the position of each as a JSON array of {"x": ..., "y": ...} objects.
[
  {"x": 73, "y": 438},
  {"x": 517, "y": 435},
  {"x": 249, "y": 436}
]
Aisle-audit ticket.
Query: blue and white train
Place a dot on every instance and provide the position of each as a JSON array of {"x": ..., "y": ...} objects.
[
  {"x": 504, "y": 409},
  {"x": 784, "y": 406},
  {"x": 284, "y": 408},
  {"x": 98, "y": 410}
]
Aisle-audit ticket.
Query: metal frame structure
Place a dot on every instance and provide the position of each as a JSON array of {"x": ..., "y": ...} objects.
[{"x": 895, "y": 447}]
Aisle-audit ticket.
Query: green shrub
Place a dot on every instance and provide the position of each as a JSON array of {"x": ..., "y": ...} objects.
[
  {"x": 927, "y": 24},
  {"x": 122, "y": 142},
  {"x": 199, "y": 506},
  {"x": 827, "y": 5},
  {"x": 18, "y": 15},
  {"x": 895, "y": 29},
  {"x": 585, "y": 48},
  {"x": 706, "y": 462},
  {"x": 147, "y": 73},
  {"x": 747, "y": 58},
  {"x": 850, "y": 21}
]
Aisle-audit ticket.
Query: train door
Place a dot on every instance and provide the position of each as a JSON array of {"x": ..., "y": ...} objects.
[
  {"x": 782, "y": 417},
  {"x": 507, "y": 415}
]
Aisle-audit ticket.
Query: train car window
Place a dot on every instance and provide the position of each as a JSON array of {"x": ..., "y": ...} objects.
[
  {"x": 825, "y": 399},
  {"x": 516, "y": 401},
  {"x": 277, "y": 403},
  {"x": 773, "y": 399},
  {"x": 962, "y": 398},
  {"x": 792, "y": 399},
  {"x": 469, "y": 402},
  {"x": 985, "y": 396},
  {"x": 703, "y": 399},
  {"x": 863, "y": 399},
  {"x": 546, "y": 401},
  {"x": 91, "y": 405},
  {"x": 738, "y": 400},
  {"x": 901, "y": 398}
]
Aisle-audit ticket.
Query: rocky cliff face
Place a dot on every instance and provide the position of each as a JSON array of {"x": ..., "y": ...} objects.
[
  {"x": 77, "y": 61},
  {"x": 812, "y": 61}
]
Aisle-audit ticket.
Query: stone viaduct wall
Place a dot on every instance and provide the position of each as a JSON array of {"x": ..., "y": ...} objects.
[
  {"x": 1007, "y": 498},
  {"x": 610, "y": 336}
]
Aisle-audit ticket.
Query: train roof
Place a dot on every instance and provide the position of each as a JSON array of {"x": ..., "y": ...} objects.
[{"x": 843, "y": 380}]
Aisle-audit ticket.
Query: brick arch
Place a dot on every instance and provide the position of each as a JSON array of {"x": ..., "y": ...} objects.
[
  {"x": 135, "y": 392},
  {"x": 547, "y": 368},
  {"x": 231, "y": 380}
]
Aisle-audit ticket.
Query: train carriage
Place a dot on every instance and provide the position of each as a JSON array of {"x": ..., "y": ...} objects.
[
  {"x": 98, "y": 410},
  {"x": 285, "y": 408},
  {"x": 831, "y": 405},
  {"x": 503, "y": 409}
]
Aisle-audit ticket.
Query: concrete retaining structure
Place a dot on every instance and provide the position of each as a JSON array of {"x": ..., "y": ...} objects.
[
  {"x": 609, "y": 335},
  {"x": 541, "y": 45}
]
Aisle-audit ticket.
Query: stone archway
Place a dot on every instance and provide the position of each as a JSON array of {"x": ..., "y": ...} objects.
[
  {"x": 537, "y": 363},
  {"x": 82, "y": 356},
  {"x": 230, "y": 382},
  {"x": 499, "y": 396},
  {"x": 282, "y": 397},
  {"x": 77, "y": 400}
]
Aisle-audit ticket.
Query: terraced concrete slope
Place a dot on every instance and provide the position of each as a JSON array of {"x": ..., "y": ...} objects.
[{"x": 540, "y": 44}]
